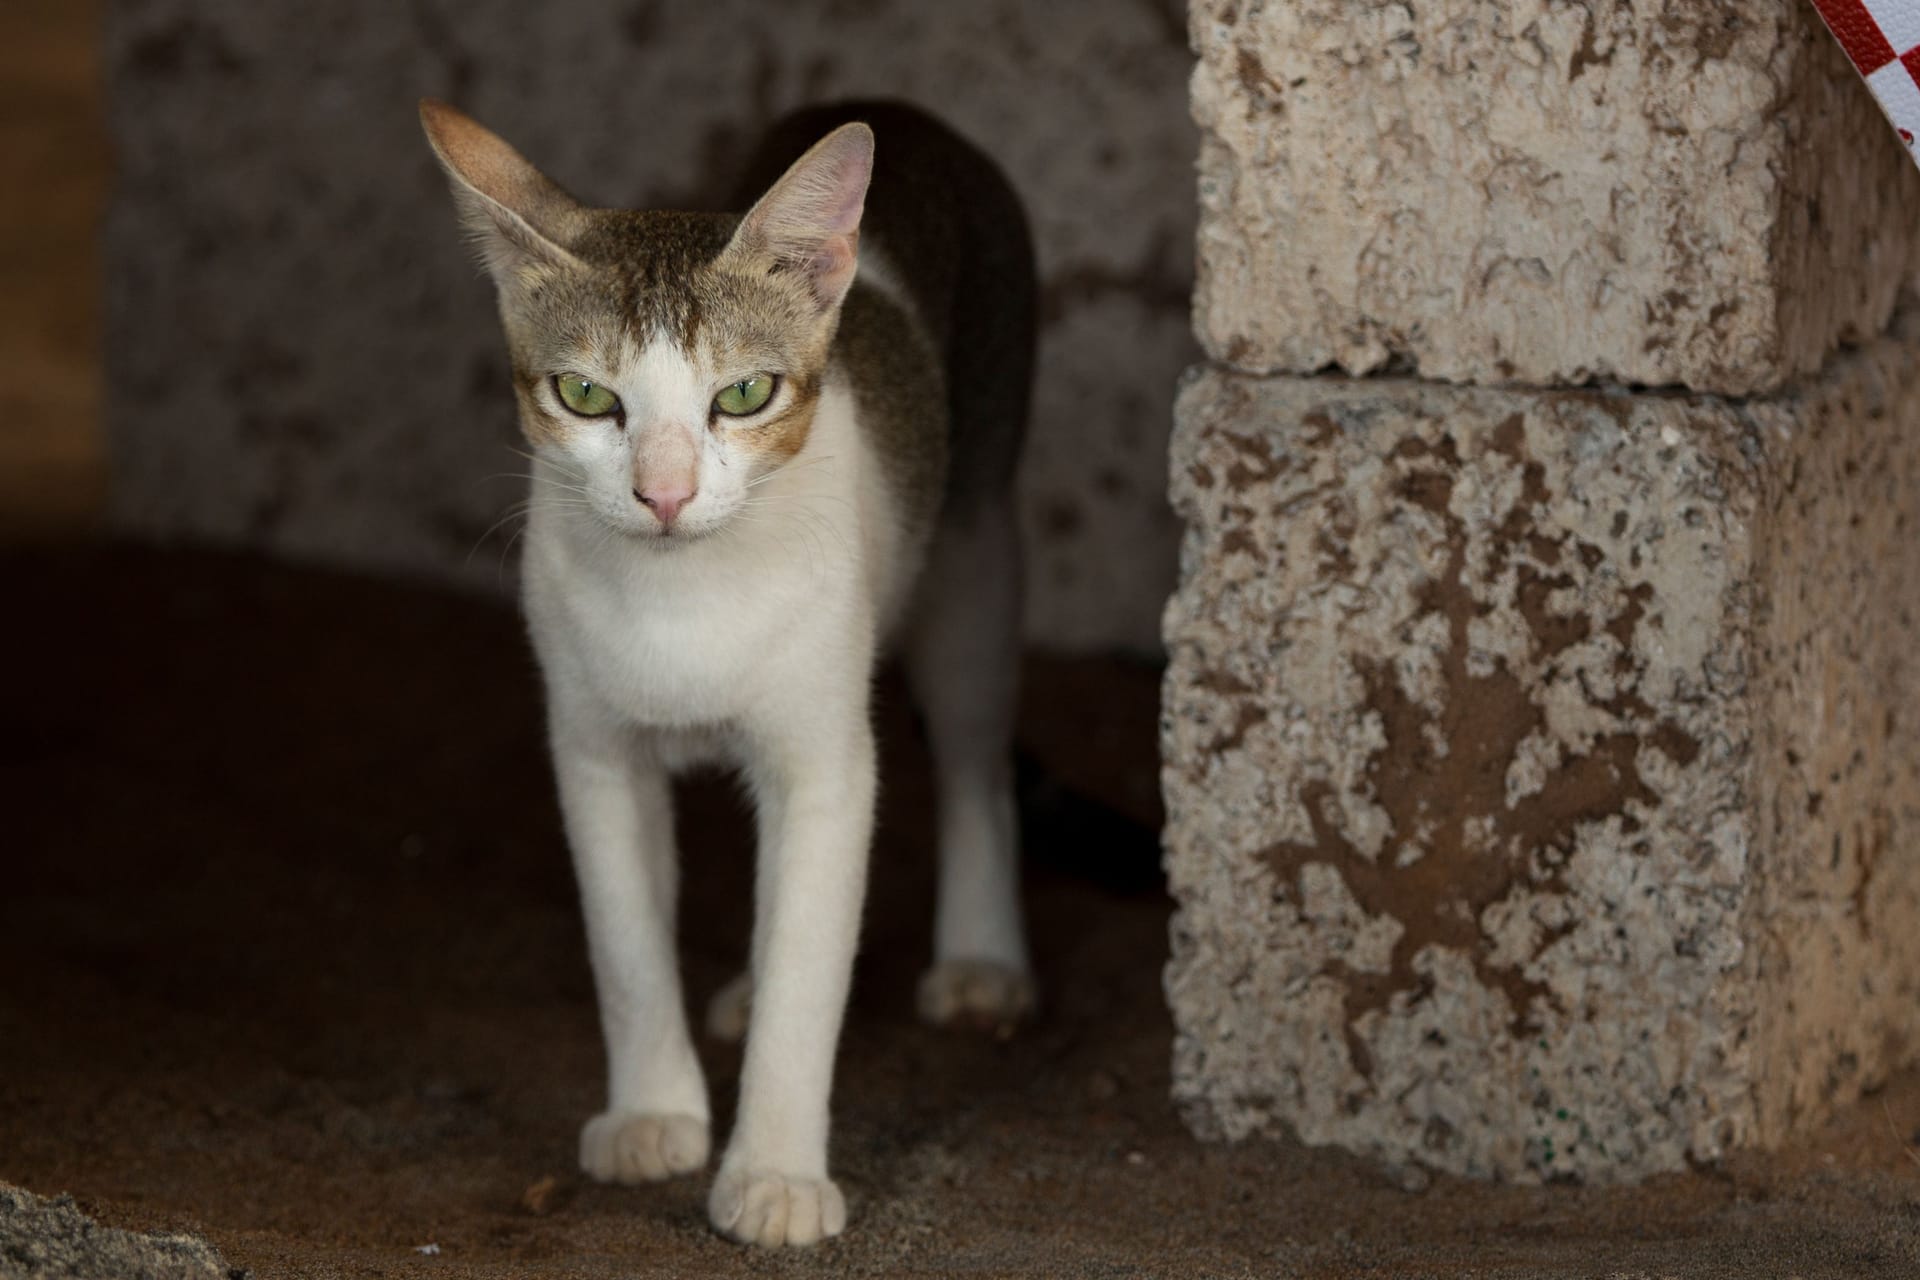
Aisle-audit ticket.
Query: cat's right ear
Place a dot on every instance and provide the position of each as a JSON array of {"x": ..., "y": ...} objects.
[{"x": 516, "y": 216}]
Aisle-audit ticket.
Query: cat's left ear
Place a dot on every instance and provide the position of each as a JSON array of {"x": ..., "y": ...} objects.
[{"x": 809, "y": 222}]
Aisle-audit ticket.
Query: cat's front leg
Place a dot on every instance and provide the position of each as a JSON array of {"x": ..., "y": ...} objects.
[
  {"x": 814, "y": 792},
  {"x": 619, "y": 819}
]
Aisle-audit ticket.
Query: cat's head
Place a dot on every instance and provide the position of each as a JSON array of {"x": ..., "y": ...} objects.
[{"x": 664, "y": 363}]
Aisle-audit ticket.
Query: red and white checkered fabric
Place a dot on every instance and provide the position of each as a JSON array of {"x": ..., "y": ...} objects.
[{"x": 1883, "y": 39}]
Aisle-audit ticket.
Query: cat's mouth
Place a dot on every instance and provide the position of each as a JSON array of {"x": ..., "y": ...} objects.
[{"x": 673, "y": 536}]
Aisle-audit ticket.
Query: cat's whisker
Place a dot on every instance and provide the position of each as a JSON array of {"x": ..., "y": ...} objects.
[
  {"x": 815, "y": 548},
  {"x": 538, "y": 461},
  {"x": 755, "y": 511},
  {"x": 538, "y": 480},
  {"x": 554, "y": 498},
  {"x": 803, "y": 515},
  {"x": 561, "y": 501},
  {"x": 839, "y": 535},
  {"x": 797, "y": 506},
  {"x": 500, "y": 564},
  {"x": 561, "y": 485},
  {"x": 512, "y": 513},
  {"x": 804, "y": 502},
  {"x": 608, "y": 533},
  {"x": 551, "y": 483},
  {"x": 559, "y": 504},
  {"x": 809, "y": 524},
  {"x": 801, "y": 501},
  {"x": 796, "y": 466},
  {"x": 799, "y": 494},
  {"x": 760, "y": 552},
  {"x": 518, "y": 510}
]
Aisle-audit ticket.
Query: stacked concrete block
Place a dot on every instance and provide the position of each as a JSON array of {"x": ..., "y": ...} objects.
[
  {"x": 1696, "y": 192},
  {"x": 1543, "y": 791}
]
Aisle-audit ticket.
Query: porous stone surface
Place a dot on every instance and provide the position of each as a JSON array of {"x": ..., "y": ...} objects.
[
  {"x": 51, "y": 1239},
  {"x": 1544, "y": 192},
  {"x": 302, "y": 356},
  {"x": 1540, "y": 766}
]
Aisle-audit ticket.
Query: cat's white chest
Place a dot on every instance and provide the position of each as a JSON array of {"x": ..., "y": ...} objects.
[
  {"x": 681, "y": 645},
  {"x": 664, "y": 656}
]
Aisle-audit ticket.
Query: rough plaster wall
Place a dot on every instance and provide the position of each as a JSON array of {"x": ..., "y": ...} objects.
[
  {"x": 1544, "y": 192},
  {"x": 302, "y": 358},
  {"x": 1837, "y": 753}
]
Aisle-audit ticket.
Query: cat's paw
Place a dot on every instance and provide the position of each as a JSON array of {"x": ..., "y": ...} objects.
[
  {"x": 729, "y": 1009},
  {"x": 982, "y": 994},
  {"x": 632, "y": 1146},
  {"x": 756, "y": 1206}
]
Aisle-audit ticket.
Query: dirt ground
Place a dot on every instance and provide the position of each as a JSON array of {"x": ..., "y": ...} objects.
[{"x": 289, "y": 957}]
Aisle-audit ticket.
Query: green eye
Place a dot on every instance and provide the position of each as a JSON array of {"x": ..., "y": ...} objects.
[
  {"x": 745, "y": 396},
  {"x": 586, "y": 398}
]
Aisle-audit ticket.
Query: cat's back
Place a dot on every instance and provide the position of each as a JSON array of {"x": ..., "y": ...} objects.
[{"x": 944, "y": 236}]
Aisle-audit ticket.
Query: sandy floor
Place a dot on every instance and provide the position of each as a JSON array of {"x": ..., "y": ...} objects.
[{"x": 290, "y": 957}]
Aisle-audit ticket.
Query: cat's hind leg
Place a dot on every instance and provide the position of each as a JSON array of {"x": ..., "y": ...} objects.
[
  {"x": 963, "y": 655},
  {"x": 619, "y": 821}
]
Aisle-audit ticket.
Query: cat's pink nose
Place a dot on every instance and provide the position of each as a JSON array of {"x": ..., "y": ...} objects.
[{"x": 665, "y": 500}]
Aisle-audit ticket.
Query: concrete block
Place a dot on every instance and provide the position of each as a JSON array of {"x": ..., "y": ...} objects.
[
  {"x": 1542, "y": 767},
  {"x": 1547, "y": 192}
]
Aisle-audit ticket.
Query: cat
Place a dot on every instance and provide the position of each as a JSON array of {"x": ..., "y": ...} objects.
[{"x": 767, "y": 448}]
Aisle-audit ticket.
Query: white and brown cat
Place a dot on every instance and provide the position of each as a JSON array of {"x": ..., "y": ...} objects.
[{"x": 767, "y": 447}]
